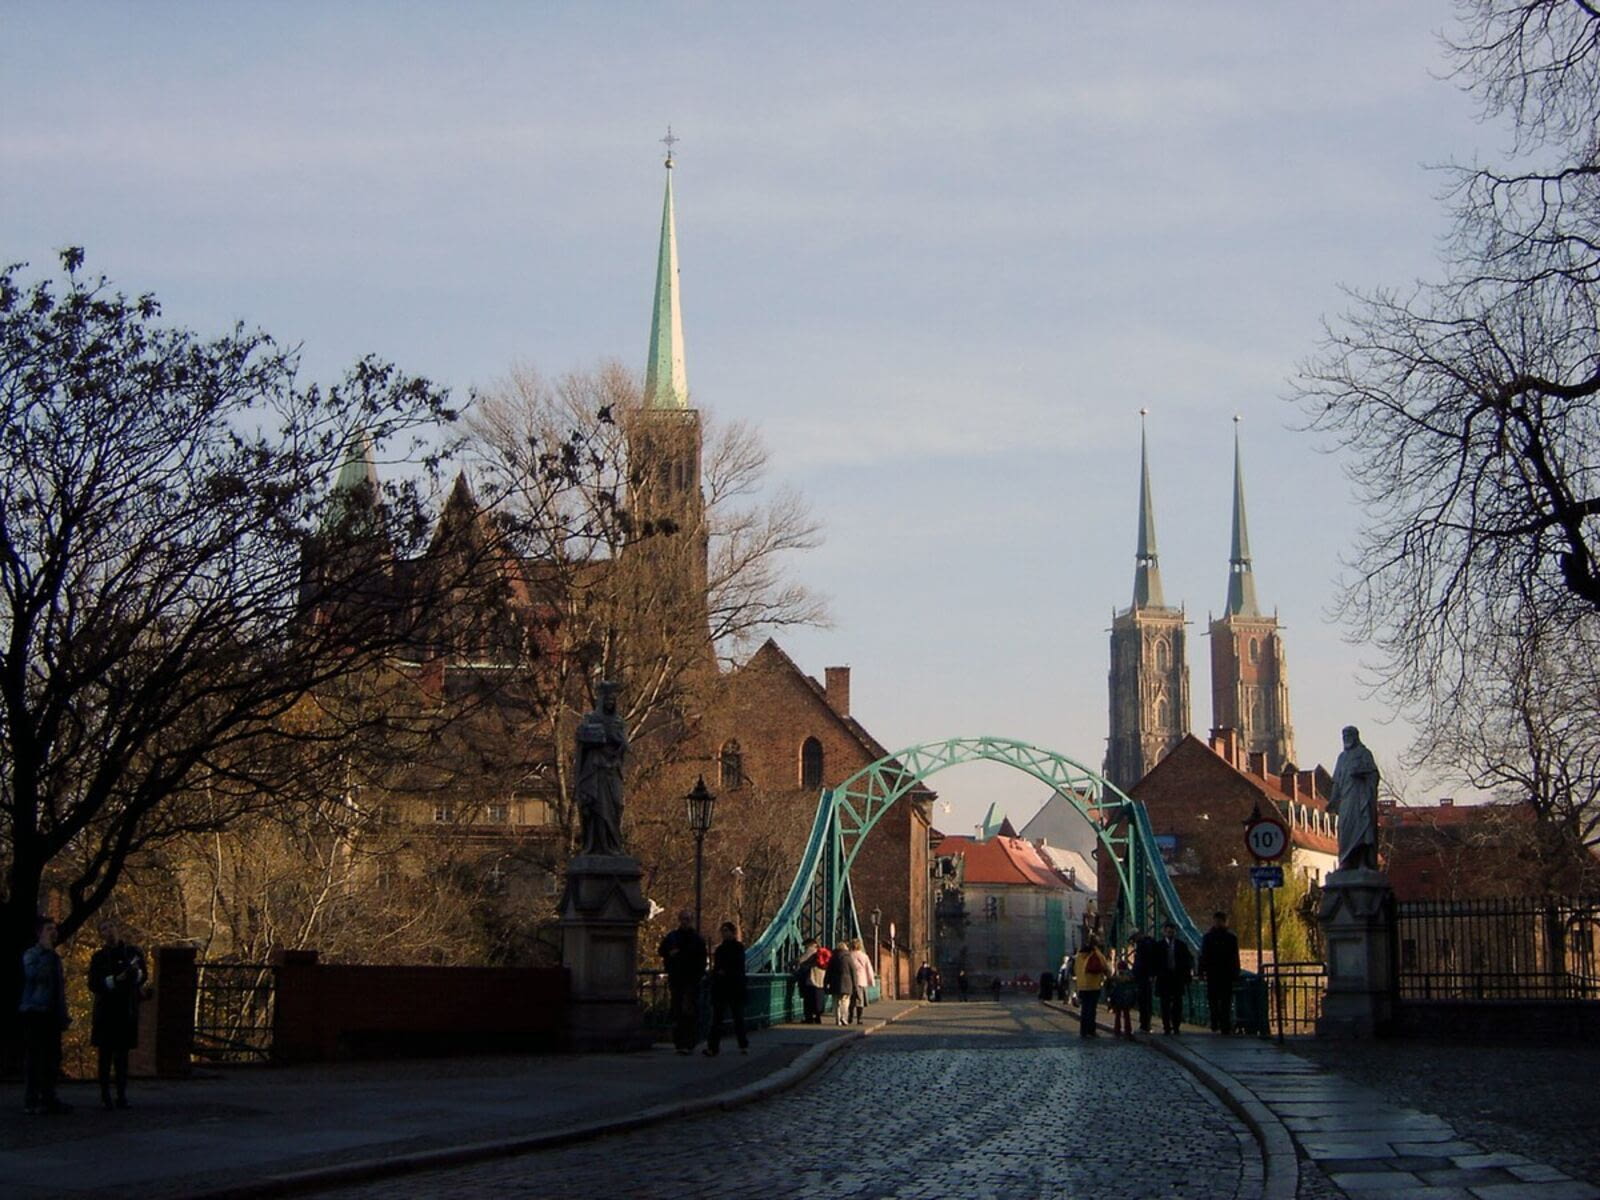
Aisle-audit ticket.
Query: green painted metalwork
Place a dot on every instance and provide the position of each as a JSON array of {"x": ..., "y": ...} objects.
[{"x": 820, "y": 903}]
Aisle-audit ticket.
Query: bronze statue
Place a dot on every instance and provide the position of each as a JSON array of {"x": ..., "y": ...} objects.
[
  {"x": 602, "y": 742},
  {"x": 1355, "y": 803}
]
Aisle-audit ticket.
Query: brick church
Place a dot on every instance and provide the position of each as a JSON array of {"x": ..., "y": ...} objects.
[{"x": 766, "y": 736}]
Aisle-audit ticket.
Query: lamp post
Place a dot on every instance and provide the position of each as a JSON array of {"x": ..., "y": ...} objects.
[
  {"x": 701, "y": 805},
  {"x": 877, "y": 961},
  {"x": 894, "y": 962}
]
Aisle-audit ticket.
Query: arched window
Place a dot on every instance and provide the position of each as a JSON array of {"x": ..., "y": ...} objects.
[
  {"x": 731, "y": 766},
  {"x": 811, "y": 763},
  {"x": 1161, "y": 655},
  {"x": 1255, "y": 650}
]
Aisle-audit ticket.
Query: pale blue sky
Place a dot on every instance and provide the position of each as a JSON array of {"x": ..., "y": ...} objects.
[{"x": 940, "y": 254}]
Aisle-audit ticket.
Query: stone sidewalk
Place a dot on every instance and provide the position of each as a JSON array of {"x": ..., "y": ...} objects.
[
  {"x": 273, "y": 1131},
  {"x": 1364, "y": 1144}
]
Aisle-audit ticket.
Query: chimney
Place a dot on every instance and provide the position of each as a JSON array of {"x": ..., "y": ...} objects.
[
  {"x": 1291, "y": 781},
  {"x": 837, "y": 689},
  {"x": 1258, "y": 763},
  {"x": 1226, "y": 743},
  {"x": 1447, "y": 802}
]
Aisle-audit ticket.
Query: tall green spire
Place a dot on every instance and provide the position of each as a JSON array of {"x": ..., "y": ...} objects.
[
  {"x": 666, "y": 382},
  {"x": 1147, "y": 575},
  {"x": 1241, "y": 580}
]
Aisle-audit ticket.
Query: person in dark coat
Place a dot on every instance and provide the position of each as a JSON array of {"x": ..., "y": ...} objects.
[
  {"x": 1146, "y": 962},
  {"x": 1174, "y": 965},
  {"x": 683, "y": 954},
  {"x": 1219, "y": 967},
  {"x": 42, "y": 1013},
  {"x": 811, "y": 974},
  {"x": 117, "y": 976},
  {"x": 1047, "y": 986},
  {"x": 727, "y": 990},
  {"x": 840, "y": 982}
]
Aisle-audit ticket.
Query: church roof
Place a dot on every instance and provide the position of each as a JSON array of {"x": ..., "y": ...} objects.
[
  {"x": 666, "y": 379},
  {"x": 1241, "y": 579},
  {"x": 1147, "y": 573}
]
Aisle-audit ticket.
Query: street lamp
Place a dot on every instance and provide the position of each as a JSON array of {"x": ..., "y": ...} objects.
[
  {"x": 701, "y": 805},
  {"x": 877, "y": 961}
]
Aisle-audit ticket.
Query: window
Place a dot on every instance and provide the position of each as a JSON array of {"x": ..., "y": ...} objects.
[
  {"x": 1255, "y": 650},
  {"x": 444, "y": 813},
  {"x": 731, "y": 766},
  {"x": 499, "y": 814},
  {"x": 1161, "y": 655},
  {"x": 811, "y": 763}
]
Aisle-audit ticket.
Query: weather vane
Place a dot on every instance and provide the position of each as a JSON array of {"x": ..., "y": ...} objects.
[{"x": 669, "y": 142}]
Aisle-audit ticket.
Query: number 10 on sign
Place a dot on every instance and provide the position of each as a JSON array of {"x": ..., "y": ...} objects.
[{"x": 1267, "y": 839}]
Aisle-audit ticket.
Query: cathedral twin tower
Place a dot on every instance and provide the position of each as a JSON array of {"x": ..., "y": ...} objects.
[{"x": 1149, "y": 678}]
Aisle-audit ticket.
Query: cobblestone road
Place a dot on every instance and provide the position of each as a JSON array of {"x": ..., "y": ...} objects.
[{"x": 971, "y": 1100}]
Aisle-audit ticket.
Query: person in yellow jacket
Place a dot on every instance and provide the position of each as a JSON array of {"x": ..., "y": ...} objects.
[{"x": 1089, "y": 970}]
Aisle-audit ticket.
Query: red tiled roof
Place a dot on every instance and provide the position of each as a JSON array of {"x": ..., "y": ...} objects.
[{"x": 1002, "y": 860}]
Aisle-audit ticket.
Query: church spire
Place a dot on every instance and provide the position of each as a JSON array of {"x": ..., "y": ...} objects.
[
  {"x": 1241, "y": 581},
  {"x": 666, "y": 382},
  {"x": 1147, "y": 575}
]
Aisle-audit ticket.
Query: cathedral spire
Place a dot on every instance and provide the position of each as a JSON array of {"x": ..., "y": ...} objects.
[
  {"x": 1241, "y": 581},
  {"x": 1147, "y": 574},
  {"x": 666, "y": 382}
]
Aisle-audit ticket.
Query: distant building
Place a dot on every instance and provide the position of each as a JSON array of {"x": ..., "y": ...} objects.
[
  {"x": 1455, "y": 851},
  {"x": 1199, "y": 797},
  {"x": 1005, "y": 909}
]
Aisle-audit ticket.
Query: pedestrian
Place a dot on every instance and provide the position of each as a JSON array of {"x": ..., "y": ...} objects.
[
  {"x": 936, "y": 986},
  {"x": 963, "y": 984},
  {"x": 117, "y": 976},
  {"x": 42, "y": 1013},
  {"x": 1089, "y": 970},
  {"x": 683, "y": 953},
  {"x": 727, "y": 990},
  {"x": 862, "y": 976},
  {"x": 1146, "y": 963},
  {"x": 924, "y": 981},
  {"x": 840, "y": 983},
  {"x": 994, "y": 988},
  {"x": 1219, "y": 967},
  {"x": 1174, "y": 964},
  {"x": 811, "y": 972},
  {"x": 1122, "y": 993},
  {"x": 1047, "y": 986}
]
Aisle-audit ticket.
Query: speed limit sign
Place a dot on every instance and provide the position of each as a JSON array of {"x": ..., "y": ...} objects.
[{"x": 1267, "y": 838}]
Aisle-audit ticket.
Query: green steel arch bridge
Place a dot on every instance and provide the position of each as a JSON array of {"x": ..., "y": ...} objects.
[{"x": 821, "y": 905}]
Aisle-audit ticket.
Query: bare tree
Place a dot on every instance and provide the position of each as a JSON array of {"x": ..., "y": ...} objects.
[
  {"x": 160, "y": 638},
  {"x": 1469, "y": 408},
  {"x": 633, "y": 589}
]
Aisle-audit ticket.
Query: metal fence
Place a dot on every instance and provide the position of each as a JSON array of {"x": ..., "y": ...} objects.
[
  {"x": 1294, "y": 996},
  {"x": 233, "y": 1010},
  {"x": 1514, "y": 949}
]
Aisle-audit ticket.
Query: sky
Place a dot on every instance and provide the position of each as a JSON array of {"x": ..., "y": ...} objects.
[{"x": 939, "y": 255}]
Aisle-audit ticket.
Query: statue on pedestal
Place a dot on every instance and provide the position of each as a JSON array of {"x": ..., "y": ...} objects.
[
  {"x": 602, "y": 743},
  {"x": 1355, "y": 803}
]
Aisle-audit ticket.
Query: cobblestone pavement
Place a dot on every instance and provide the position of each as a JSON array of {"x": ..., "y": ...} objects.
[
  {"x": 973, "y": 1100},
  {"x": 1541, "y": 1102}
]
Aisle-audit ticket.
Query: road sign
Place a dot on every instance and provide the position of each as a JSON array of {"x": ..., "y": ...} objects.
[
  {"x": 1267, "y": 877},
  {"x": 1267, "y": 838}
]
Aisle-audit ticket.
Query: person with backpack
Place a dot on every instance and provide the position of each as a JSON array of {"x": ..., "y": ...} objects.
[
  {"x": 811, "y": 974},
  {"x": 1089, "y": 970}
]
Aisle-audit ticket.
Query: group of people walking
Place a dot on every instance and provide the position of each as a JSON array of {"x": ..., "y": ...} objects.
[
  {"x": 1152, "y": 969},
  {"x": 683, "y": 954},
  {"x": 117, "y": 977},
  {"x": 844, "y": 973}
]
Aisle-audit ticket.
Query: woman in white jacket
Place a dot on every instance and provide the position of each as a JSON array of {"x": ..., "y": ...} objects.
[{"x": 862, "y": 976}]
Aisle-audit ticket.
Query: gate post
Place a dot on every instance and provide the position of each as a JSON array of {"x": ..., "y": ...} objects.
[{"x": 1359, "y": 937}]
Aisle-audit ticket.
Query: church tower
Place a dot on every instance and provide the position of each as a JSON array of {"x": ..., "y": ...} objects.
[
  {"x": 1249, "y": 681},
  {"x": 1149, "y": 677},
  {"x": 664, "y": 440}
]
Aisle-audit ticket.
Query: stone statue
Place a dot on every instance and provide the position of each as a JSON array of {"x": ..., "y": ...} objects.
[
  {"x": 1355, "y": 803},
  {"x": 602, "y": 742}
]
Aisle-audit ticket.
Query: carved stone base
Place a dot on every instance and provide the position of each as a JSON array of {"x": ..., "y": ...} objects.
[
  {"x": 1360, "y": 958},
  {"x": 601, "y": 910}
]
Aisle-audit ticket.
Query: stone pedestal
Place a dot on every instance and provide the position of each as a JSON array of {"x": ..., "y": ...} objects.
[
  {"x": 600, "y": 915},
  {"x": 1357, "y": 934}
]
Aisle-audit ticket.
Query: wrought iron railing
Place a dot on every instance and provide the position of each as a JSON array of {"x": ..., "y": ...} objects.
[
  {"x": 1503, "y": 949},
  {"x": 1294, "y": 996},
  {"x": 233, "y": 1012}
]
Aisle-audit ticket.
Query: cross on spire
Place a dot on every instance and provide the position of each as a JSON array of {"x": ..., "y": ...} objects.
[{"x": 669, "y": 142}]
